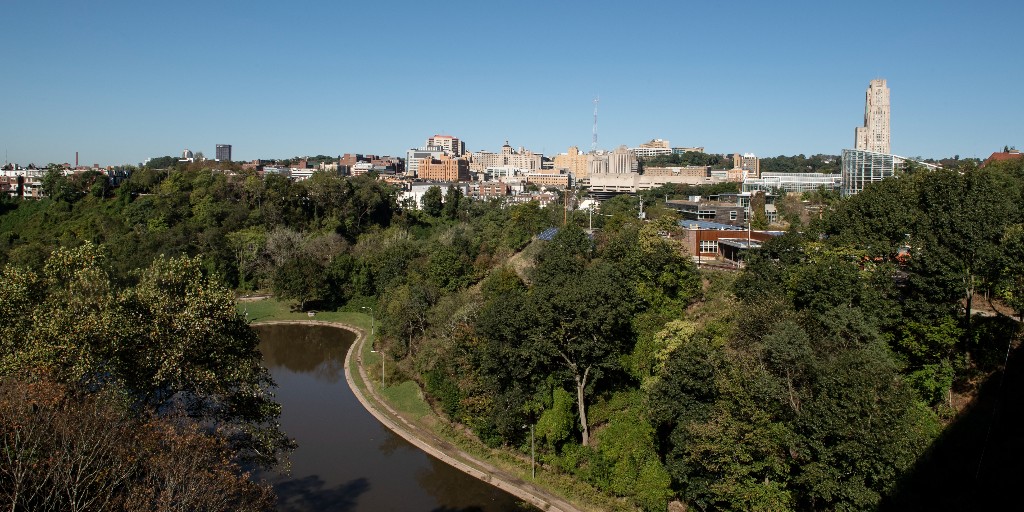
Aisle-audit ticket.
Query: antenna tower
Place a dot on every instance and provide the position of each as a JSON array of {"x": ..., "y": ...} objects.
[{"x": 593, "y": 144}]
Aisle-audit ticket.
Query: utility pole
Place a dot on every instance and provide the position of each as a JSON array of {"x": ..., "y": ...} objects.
[{"x": 698, "y": 246}]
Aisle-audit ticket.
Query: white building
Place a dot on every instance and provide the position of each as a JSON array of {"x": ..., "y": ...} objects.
[
  {"x": 452, "y": 146},
  {"x": 413, "y": 193},
  {"x": 654, "y": 147}
]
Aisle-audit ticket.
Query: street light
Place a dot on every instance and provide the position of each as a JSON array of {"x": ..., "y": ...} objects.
[
  {"x": 533, "y": 465},
  {"x": 373, "y": 342},
  {"x": 371, "y": 319}
]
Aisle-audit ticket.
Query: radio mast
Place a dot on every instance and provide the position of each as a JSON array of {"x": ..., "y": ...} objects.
[{"x": 593, "y": 144}]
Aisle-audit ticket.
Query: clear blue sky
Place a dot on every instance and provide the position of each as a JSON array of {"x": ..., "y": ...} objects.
[{"x": 122, "y": 81}]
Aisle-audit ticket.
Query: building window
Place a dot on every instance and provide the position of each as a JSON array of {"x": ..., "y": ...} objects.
[
  {"x": 732, "y": 215},
  {"x": 707, "y": 246}
]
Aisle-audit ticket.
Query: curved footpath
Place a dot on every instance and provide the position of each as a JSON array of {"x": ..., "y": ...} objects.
[{"x": 427, "y": 440}]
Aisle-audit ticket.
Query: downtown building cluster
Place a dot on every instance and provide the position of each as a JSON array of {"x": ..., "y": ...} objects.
[{"x": 519, "y": 174}]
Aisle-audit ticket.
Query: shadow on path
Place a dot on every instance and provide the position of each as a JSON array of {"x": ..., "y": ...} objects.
[{"x": 978, "y": 461}]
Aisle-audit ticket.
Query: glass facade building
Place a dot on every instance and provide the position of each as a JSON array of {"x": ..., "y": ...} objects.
[
  {"x": 861, "y": 168},
  {"x": 792, "y": 182}
]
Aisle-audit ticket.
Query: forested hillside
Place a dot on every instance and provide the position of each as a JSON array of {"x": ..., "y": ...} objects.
[{"x": 815, "y": 379}]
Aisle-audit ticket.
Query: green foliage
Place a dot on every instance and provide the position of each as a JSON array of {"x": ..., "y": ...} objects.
[
  {"x": 432, "y": 201},
  {"x": 445, "y": 390},
  {"x": 801, "y": 163},
  {"x": 161, "y": 162},
  {"x": 452, "y": 199},
  {"x": 688, "y": 158},
  {"x": 861, "y": 431},
  {"x": 302, "y": 278},
  {"x": 67, "y": 451},
  {"x": 172, "y": 340},
  {"x": 556, "y": 424},
  {"x": 627, "y": 443}
]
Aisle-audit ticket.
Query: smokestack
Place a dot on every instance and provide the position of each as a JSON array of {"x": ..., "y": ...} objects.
[{"x": 76, "y": 159}]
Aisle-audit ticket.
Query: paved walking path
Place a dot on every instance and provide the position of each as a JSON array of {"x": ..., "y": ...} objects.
[{"x": 427, "y": 441}]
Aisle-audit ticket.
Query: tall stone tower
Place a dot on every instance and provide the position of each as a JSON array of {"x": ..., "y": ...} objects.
[{"x": 874, "y": 135}]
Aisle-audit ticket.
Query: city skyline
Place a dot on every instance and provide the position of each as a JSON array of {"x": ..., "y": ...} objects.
[{"x": 121, "y": 82}]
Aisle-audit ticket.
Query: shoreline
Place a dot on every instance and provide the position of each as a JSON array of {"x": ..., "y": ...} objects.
[{"x": 424, "y": 439}]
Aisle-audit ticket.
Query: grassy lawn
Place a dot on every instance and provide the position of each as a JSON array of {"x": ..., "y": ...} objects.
[
  {"x": 404, "y": 397},
  {"x": 273, "y": 309}
]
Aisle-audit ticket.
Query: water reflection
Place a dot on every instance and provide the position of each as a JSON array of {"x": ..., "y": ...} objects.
[
  {"x": 312, "y": 493},
  {"x": 347, "y": 460}
]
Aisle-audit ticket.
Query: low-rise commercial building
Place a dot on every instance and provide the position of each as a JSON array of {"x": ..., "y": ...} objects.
[{"x": 793, "y": 182}]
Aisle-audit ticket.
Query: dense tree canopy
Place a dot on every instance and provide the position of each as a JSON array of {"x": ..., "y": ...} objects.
[{"x": 813, "y": 379}]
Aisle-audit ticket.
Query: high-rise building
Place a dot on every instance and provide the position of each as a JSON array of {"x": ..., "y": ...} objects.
[
  {"x": 874, "y": 135},
  {"x": 573, "y": 162},
  {"x": 451, "y": 145},
  {"x": 223, "y": 152},
  {"x": 413, "y": 157},
  {"x": 622, "y": 161}
]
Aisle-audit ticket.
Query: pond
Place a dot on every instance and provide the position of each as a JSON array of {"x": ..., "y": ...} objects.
[{"x": 347, "y": 460}]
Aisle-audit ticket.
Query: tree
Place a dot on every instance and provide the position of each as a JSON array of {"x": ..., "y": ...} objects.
[
  {"x": 58, "y": 187},
  {"x": 174, "y": 340},
  {"x": 957, "y": 248},
  {"x": 65, "y": 450},
  {"x": 858, "y": 434},
  {"x": 451, "y": 202},
  {"x": 583, "y": 323},
  {"x": 432, "y": 201},
  {"x": 302, "y": 277},
  {"x": 1011, "y": 288}
]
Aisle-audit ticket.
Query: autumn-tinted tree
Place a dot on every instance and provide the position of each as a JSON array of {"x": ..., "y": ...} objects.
[{"x": 66, "y": 450}]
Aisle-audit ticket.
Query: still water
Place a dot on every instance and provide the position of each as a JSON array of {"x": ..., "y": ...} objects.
[{"x": 347, "y": 460}]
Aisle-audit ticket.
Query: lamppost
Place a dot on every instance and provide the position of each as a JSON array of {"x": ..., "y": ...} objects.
[
  {"x": 533, "y": 464},
  {"x": 374, "y": 341},
  {"x": 371, "y": 319}
]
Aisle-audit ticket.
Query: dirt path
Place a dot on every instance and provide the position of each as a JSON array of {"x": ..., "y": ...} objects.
[{"x": 428, "y": 441}]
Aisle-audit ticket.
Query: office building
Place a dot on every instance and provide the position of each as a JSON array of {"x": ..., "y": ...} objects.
[
  {"x": 223, "y": 152},
  {"x": 572, "y": 162},
  {"x": 451, "y": 145},
  {"x": 521, "y": 159},
  {"x": 623, "y": 161},
  {"x": 444, "y": 168},
  {"x": 693, "y": 171},
  {"x": 654, "y": 147},
  {"x": 874, "y": 135},
  {"x": 748, "y": 162},
  {"x": 414, "y": 156}
]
